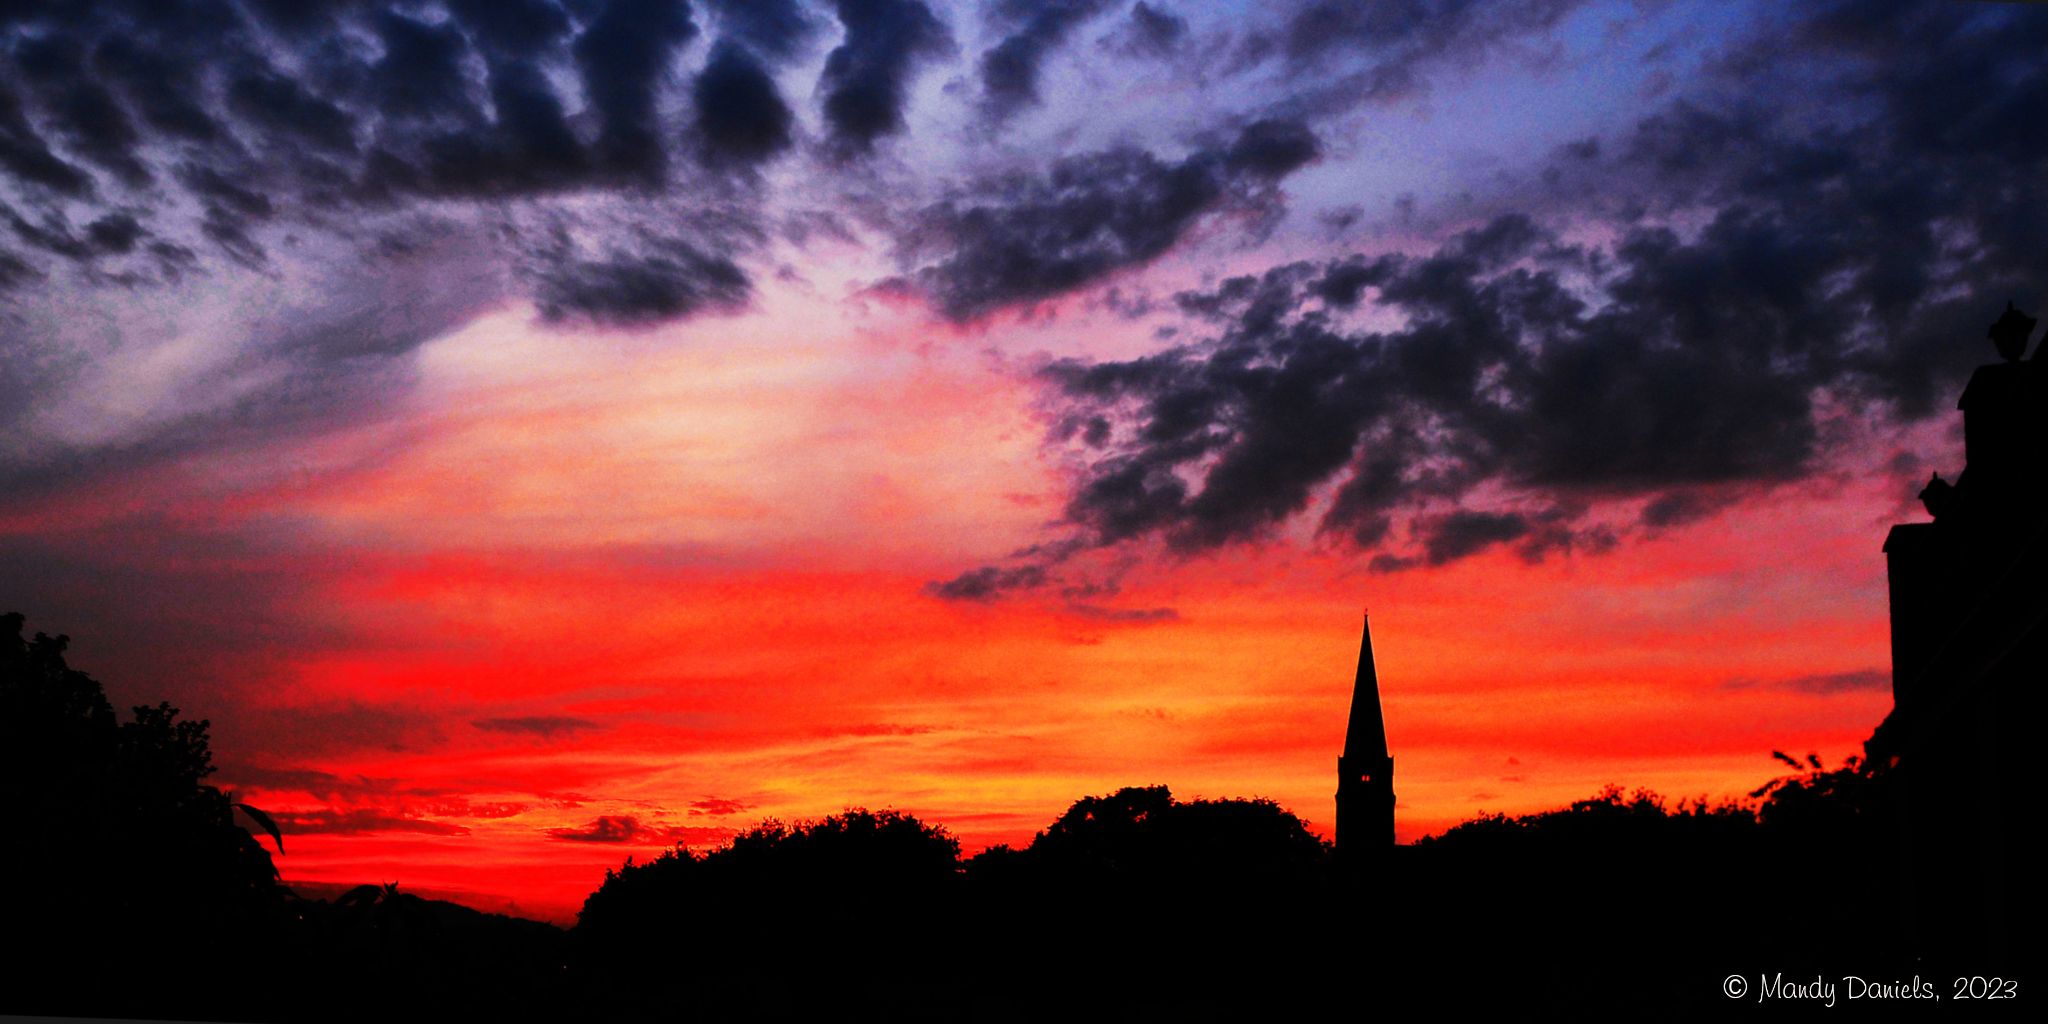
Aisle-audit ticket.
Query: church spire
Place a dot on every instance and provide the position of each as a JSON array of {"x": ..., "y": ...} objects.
[
  {"x": 1367, "y": 734},
  {"x": 1365, "y": 771}
]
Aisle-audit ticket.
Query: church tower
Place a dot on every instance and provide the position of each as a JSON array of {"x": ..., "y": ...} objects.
[{"x": 1365, "y": 772}]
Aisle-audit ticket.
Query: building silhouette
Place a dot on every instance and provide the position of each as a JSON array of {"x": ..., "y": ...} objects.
[
  {"x": 1365, "y": 771},
  {"x": 1969, "y": 625}
]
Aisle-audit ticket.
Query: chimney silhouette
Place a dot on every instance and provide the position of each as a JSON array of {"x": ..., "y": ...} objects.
[{"x": 1365, "y": 771}]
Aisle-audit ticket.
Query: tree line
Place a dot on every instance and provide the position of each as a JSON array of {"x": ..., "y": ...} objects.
[{"x": 142, "y": 890}]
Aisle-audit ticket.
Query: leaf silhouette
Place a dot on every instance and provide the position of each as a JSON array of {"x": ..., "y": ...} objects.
[{"x": 257, "y": 815}]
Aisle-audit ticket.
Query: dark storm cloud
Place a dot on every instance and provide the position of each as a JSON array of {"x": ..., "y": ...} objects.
[
  {"x": 115, "y": 234},
  {"x": 1943, "y": 178},
  {"x": 290, "y": 113},
  {"x": 228, "y": 126},
  {"x": 231, "y": 235},
  {"x": 421, "y": 76},
  {"x": 542, "y": 726},
  {"x": 866, "y": 77},
  {"x": 652, "y": 281},
  {"x": 1752, "y": 255},
  {"x": 52, "y": 235},
  {"x": 1151, "y": 31},
  {"x": 1101, "y": 613},
  {"x": 531, "y": 150},
  {"x": 367, "y": 155},
  {"x": 1023, "y": 238},
  {"x": 223, "y": 130},
  {"x": 217, "y": 190},
  {"x": 1466, "y": 532},
  {"x": 623, "y": 54},
  {"x": 987, "y": 582},
  {"x": 718, "y": 807},
  {"x": 1533, "y": 379},
  {"x": 108, "y": 237},
  {"x": 1677, "y": 508},
  {"x": 28, "y": 158},
  {"x": 1689, "y": 373},
  {"x": 1009, "y": 69},
  {"x": 362, "y": 821},
  {"x": 625, "y": 828},
  {"x": 740, "y": 112},
  {"x": 84, "y": 112}
]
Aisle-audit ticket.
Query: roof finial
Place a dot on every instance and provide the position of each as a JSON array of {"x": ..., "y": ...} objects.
[{"x": 2010, "y": 332}]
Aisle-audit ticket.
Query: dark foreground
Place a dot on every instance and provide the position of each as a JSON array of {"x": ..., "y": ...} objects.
[{"x": 134, "y": 892}]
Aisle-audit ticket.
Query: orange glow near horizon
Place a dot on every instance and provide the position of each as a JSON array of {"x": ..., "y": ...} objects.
[{"x": 569, "y": 582}]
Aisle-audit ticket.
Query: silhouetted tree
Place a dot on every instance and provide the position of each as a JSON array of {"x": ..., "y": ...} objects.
[
  {"x": 1136, "y": 885},
  {"x": 808, "y": 911},
  {"x": 1609, "y": 824},
  {"x": 883, "y": 850},
  {"x": 132, "y": 868},
  {"x": 119, "y": 846},
  {"x": 1143, "y": 836},
  {"x": 1849, "y": 804}
]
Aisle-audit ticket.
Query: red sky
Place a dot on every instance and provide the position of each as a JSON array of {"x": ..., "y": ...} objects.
[
  {"x": 533, "y": 445},
  {"x": 678, "y": 586}
]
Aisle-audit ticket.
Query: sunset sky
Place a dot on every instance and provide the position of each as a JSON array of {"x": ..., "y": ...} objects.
[{"x": 538, "y": 432}]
